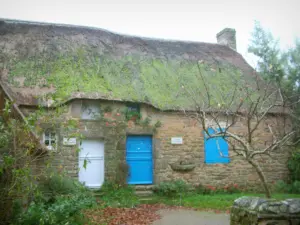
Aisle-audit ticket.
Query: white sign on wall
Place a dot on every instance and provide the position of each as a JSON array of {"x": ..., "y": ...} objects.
[
  {"x": 176, "y": 141},
  {"x": 69, "y": 141}
]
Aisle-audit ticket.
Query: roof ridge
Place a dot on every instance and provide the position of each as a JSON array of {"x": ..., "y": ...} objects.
[{"x": 65, "y": 25}]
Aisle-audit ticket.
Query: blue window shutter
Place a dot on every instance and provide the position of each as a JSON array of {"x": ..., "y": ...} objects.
[{"x": 213, "y": 154}]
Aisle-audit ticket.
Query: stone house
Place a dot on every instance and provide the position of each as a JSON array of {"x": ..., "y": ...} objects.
[{"x": 127, "y": 97}]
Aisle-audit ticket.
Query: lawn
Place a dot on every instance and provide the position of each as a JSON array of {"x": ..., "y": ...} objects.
[{"x": 214, "y": 202}]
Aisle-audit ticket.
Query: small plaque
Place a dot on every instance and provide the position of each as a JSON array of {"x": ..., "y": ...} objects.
[
  {"x": 69, "y": 141},
  {"x": 176, "y": 140}
]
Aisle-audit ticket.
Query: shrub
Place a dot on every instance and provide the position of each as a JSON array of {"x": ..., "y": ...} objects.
[
  {"x": 51, "y": 187},
  {"x": 172, "y": 188},
  {"x": 294, "y": 165},
  {"x": 113, "y": 194},
  {"x": 281, "y": 186},
  {"x": 209, "y": 190},
  {"x": 230, "y": 189},
  {"x": 293, "y": 188},
  {"x": 59, "y": 201},
  {"x": 65, "y": 210},
  {"x": 203, "y": 190}
]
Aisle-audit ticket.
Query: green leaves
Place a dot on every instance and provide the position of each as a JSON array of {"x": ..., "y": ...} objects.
[
  {"x": 270, "y": 59},
  {"x": 171, "y": 188},
  {"x": 294, "y": 165},
  {"x": 85, "y": 162}
]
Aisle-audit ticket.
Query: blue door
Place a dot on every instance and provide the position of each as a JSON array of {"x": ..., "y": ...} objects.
[
  {"x": 216, "y": 149},
  {"x": 139, "y": 159}
]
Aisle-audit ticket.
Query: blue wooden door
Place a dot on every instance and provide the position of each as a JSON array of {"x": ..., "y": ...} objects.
[
  {"x": 216, "y": 149},
  {"x": 139, "y": 159}
]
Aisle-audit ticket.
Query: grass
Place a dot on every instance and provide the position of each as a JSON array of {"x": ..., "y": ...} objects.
[
  {"x": 124, "y": 197},
  {"x": 113, "y": 199},
  {"x": 214, "y": 202},
  {"x": 114, "y": 196}
]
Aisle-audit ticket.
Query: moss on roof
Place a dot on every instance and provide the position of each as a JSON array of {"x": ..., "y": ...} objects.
[
  {"x": 166, "y": 84},
  {"x": 62, "y": 61}
]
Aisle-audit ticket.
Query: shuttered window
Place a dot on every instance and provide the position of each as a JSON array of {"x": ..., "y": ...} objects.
[{"x": 216, "y": 149}]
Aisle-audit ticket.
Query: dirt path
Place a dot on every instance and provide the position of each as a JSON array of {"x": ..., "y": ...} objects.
[{"x": 190, "y": 217}]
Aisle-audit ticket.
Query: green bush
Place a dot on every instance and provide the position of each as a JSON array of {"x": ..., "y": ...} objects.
[
  {"x": 281, "y": 187},
  {"x": 113, "y": 194},
  {"x": 65, "y": 210},
  {"x": 203, "y": 190},
  {"x": 171, "y": 188},
  {"x": 210, "y": 190},
  {"x": 51, "y": 187},
  {"x": 229, "y": 189},
  {"x": 294, "y": 165},
  {"x": 60, "y": 200},
  {"x": 293, "y": 188}
]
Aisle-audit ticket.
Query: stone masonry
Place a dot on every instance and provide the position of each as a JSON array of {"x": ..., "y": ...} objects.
[
  {"x": 258, "y": 211},
  {"x": 174, "y": 124}
]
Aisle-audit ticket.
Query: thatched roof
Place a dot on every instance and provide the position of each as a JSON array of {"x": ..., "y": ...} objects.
[{"x": 68, "y": 62}]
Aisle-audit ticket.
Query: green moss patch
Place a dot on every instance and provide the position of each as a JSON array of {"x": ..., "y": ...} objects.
[{"x": 166, "y": 84}]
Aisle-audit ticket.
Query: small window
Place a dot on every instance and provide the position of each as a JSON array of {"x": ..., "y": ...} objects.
[
  {"x": 50, "y": 139},
  {"x": 133, "y": 107},
  {"x": 133, "y": 112},
  {"x": 90, "y": 111},
  {"x": 216, "y": 149}
]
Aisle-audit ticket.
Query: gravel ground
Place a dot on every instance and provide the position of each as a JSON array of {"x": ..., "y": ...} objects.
[{"x": 190, "y": 217}]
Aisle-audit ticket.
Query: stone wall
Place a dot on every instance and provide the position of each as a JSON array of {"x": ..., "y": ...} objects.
[
  {"x": 192, "y": 150},
  {"x": 174, "y": 124},
  {"x": 258, "y": 211}
]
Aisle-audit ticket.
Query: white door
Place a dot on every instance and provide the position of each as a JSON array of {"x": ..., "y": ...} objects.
[{"x": 93, "y": 152}]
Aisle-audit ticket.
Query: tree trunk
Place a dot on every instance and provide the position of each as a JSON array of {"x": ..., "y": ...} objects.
[{"x": 261, "y": 177}]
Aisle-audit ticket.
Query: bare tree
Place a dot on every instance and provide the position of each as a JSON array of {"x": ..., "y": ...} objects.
[{"x": 254, "y": 105}]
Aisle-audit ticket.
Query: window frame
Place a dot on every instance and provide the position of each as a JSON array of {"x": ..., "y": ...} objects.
[
  {"x": 93, "y": 115},
  {"x": 50, "y": 139}
]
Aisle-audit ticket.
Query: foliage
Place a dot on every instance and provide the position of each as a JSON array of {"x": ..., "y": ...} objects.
[
  {"x": 64, "y": 210},
  {"x": 158, "y": 124},
  {"x": 59, "y": 200},
  {"x": 17, "y": 148},
  {"x": 293, "y": 68},
  {"x": 132, "y": 115},
  {"x": 53, "y": 186},
  {"x": 171, "y": 188},
  {"x": 283, "y": 187},
  {"x": 27, "y": 193},
  {"x": 202, "y": 190},
  {"x": 107, "y": 109},
  {"x": 294, "y": 165},
  {"x": 211, "y": 190},
  {"x": 270, "y": 61},
  {"x": 280, "y": 67},
  {"x": 145, "y": 122},
  {"x": 114, "y": 195}
]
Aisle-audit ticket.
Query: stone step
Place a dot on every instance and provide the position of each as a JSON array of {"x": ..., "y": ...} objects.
[
  {"x": 143, "y": 187},
  {"x": 143, "y": 193}
]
